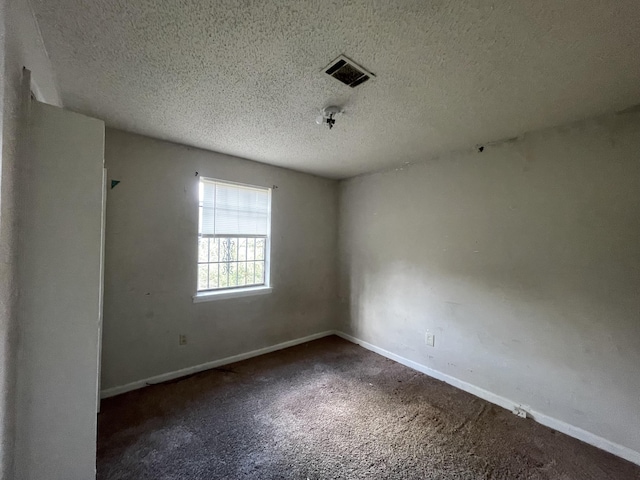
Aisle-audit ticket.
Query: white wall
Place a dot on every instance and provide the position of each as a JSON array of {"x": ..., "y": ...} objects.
[
  {"x": 60, "y": 280},
  {"x": 523, "y": 260},
  {"x": 150, "y": 262},
  {"x": 20, "y": 46}
]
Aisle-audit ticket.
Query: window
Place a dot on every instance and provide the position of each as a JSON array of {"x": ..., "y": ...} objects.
[{"x": 233, "y": 236}]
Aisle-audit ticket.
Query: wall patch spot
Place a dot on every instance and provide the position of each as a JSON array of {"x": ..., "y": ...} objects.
[{"x": 114, "y": 183}]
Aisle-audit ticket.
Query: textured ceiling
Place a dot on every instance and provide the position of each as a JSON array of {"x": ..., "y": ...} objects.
[{"x": 244, "y": 77}]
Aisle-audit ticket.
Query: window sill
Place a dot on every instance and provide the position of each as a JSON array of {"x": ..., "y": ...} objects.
[{"x": 231, "y": 293}]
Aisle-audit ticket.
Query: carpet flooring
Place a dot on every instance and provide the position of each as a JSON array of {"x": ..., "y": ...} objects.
[{"x": 329, "y": 409}]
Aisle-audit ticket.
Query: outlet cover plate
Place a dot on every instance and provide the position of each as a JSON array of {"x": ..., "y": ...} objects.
[
  {"x": 430, "y": 339},
  {"x": 520, "y": 411}
]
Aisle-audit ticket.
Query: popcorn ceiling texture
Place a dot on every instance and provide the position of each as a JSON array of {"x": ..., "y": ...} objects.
[{"x": 244, "y": 77}]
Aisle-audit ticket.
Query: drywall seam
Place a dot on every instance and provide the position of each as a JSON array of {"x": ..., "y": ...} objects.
[
  {"x": 546, "y": 420},
  {"x": 111, "y": 392}
]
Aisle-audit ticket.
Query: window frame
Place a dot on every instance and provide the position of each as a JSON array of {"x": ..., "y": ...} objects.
[{"x": 242, "y": 290}]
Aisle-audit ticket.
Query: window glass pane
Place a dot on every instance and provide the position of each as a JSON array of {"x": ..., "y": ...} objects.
[
  {"x": 225, "y": 274},
  {"x": 203, "y": 271},
  {"x": 250, "y": 273},
  {"x": 242, "y": 273},
  {"x": 219, "y": 272},
  {"x": 214, "y": 246},
  {"x": 259, "y": 272},
  {"x": 259, "y": 248},
  {"x": 251, "y": 248},
  {"x": 242, "y": 249},
  {"x": 203, "y": 246},
  {"x": 230, "y": 262},
  {"x": 226, "y": 250},
  {"x": 235, "y": 220},
  {"x": 233, "y": 274},
  {"x": 213, "y": 275},
  {"x": 234, "y": 249}
]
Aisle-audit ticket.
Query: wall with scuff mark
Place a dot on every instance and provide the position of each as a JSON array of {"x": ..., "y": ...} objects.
[
  {"x": 523, "y": 260},
  {"x": 151, "y": 254}
]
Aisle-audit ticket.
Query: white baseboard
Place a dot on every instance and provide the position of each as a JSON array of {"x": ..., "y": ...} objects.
[
  {"x": 546, "y": 420},
  {"x": 111, "y": 392},
  {"x": 559, "y": 425}
]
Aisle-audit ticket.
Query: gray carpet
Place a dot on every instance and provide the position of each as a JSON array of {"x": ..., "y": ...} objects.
[{"x": 326, "y": 410}]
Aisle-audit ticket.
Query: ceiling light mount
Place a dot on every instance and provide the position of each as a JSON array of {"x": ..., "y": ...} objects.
[{"x": 328, "y": 116}]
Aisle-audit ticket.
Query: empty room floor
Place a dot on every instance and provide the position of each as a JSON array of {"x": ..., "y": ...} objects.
[{"x": 330, "y": 409}]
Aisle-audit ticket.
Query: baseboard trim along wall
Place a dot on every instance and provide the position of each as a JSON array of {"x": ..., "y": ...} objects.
[
  {"x": 546, "y": 420},
  {"x": 112, "y": 392}
]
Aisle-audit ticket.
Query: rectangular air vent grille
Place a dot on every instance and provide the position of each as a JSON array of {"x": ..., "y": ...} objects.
[{"x": 348, "y": 72}]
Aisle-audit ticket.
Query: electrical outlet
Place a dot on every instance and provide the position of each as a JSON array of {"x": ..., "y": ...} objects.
[
  {"x": 182, "y": 340},
  {"x": 520, "y": 411},
  {"x": 430, "y": 339}
]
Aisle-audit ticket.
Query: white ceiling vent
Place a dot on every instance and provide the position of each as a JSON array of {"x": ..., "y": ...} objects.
[{"x": 347, "y": 71}]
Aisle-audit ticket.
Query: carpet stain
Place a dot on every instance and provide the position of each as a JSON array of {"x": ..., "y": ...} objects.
[{"x": 331, "y": 410}]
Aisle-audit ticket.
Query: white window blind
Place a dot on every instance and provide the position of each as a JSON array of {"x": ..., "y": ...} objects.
[{"x": 230, "y": 209}]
